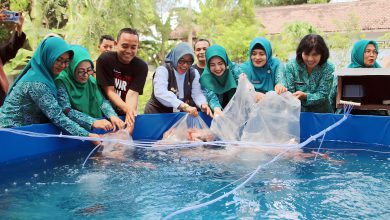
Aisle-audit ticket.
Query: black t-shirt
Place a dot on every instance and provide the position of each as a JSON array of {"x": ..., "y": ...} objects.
[
  {"x": 111, "y": 72},
  {"x": 200, "y": 70}
]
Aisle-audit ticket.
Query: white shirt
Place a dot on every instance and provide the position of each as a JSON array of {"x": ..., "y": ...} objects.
[{"x": 168, "y": 98}]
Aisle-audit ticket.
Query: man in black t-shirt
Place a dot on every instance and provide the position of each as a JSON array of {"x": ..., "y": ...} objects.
[{"x": 122, "y": 75}]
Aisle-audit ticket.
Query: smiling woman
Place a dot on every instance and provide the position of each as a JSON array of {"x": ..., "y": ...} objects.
[
  {"x": 263, "y": 70},
  {"x": 176, "y": 85},
  {"x": 219, "y": 79},
  {"x": 33, "y": 96},
  {"x": 364, "y": 54},
  {"x": 309, "y": 77},
  {"x": 80, "y": 96}
]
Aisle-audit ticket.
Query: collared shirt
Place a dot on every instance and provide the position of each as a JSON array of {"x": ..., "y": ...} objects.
[{"x": 170, "y": 99}]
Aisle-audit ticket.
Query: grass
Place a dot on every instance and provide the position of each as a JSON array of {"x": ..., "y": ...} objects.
[{"x": 143, "y": 99}]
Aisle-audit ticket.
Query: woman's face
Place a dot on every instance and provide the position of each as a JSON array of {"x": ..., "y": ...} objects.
[
  {"x": 258, "y": 57},
  {"x": 311, "y": 59},
  {"x": 60, "y": 64},
  {"x": 217, "y": 66},
  {"x": 370, "y": 55},
  {"x": 184, "y": 63},
  {"x": 83, "y": 71}
]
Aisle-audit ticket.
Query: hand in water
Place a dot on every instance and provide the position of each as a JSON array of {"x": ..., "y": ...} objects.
[
  {"x": 117, "y": 123},
  {"x": 93, "y": 135}
]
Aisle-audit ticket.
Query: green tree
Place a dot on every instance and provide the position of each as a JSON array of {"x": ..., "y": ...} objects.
[
  {"x": 286, "y": 43},
  {"x": 231, "y": 24},
  {"x": 266, "y": 3},
  {"x": 340, "y": 43}
]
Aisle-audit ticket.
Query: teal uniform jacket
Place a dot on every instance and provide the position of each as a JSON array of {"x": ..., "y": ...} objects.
[{"x": 316, "y": 85}]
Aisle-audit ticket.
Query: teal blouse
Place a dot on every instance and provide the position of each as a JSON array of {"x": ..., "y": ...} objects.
[
  {"x": 81, "y": 118},
  {"x": 316, "y": 85},
  {"x": 215, "y": 100},
  {"x": 33, "y": 103}
]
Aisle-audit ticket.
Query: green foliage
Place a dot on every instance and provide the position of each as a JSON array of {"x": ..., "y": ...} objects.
[
  {"x": 286, "y": 43},
  {"x": 158, "y": 29},
  {"x": 17, "y": 64},
  {"x": 279, "y": 2},
  {"x": 235, "y": 31},
  {"x": 144, "y": 98},
  {"x": 19, "y": 5},
  {"x": 317, "y": 1},
  {"x": 236, "y": 38},
  {"x": 386, "y": 41},
  {"x": 340, "y": 43},
  {"x": 266, "y": 3},
  {"x": 5, "y": 33}
]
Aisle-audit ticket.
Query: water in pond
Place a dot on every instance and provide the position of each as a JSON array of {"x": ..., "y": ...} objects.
[{"x": 348, "y": 184}]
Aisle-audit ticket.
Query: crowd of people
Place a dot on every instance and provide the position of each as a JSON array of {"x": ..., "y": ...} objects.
[{"x": 60, "y": 84}]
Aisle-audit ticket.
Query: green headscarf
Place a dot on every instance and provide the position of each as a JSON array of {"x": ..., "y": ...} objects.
[
  {"x": 263, "y": 76},
  {"x": 39, "y": 67},
  {"x": 218, "y": 84},
  {"x": 357, "y": 55},
  {"x": 85, "y": 97}
]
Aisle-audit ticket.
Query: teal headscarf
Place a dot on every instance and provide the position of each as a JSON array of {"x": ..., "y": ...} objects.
[
  {"x": 178, "y": 52},
  {"x": 85, "y": 97},
  {"x": 357, "y": 55},
  {"x": 39, "y": 67},
  {"x": 262, "y": 78},
  {"x": 218, "y": 84}
]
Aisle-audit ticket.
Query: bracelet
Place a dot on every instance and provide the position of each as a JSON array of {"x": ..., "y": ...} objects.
[{"x": 186, "y": 106}]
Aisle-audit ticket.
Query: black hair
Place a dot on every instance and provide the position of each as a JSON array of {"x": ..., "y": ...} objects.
[
  {"x": 105, "y": 37},
  {"x": 313, "y": 42},
  {"x": 258, "y": 46},
  {"x": 201, "y": 39},
  {"x": 128, "y": 31}
]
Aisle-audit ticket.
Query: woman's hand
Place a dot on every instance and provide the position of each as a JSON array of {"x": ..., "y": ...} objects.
[
  {"x": 259, "y": 96},
  {"x": 93, "y": 135},
  {"x": 279, "y": 88},
  {"x": 117, "y": 123},
  {"x": 218, "y": 112},
  {"x": 102, "y": 124},
  {"x": 206, "y": 109},
  {"x": 19, "y": 24},
  {"x": 300, "y": 95},
  {"x": 189, "y": 109},
  {"x": 242, "y": 76}
]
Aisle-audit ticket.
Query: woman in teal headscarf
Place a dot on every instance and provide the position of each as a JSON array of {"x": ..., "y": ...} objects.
[
  {"x": 364, "y": 54},
  {"x": 33, "y": 96},
  {"x": 219, "y": 78},
  {"x": 263, "y": 71},
  {"x": 80, "y": 96}
]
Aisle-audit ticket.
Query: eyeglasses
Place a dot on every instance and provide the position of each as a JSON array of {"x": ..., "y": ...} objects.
[
  {"x": 60, "y": 62},
  {"x": 82, "y": 73},
  {"x": 374, "y": 52},
  {"x": 182, "y": 62}
]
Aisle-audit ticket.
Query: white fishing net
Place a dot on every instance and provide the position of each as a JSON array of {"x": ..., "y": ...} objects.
[
  {"x": 274, "y": 119},
  {"x": 189, "y": 128},
  {"x": 116, "y": 144},
  {"x": 228, "y": 127}
]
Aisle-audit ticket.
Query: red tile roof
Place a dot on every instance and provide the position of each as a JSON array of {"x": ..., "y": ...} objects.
[{"x": 372, "y": 14}]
